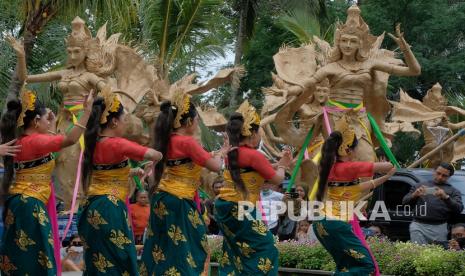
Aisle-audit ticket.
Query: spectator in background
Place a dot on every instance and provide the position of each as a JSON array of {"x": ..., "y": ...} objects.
[
  {"x": 287, "y": 227},
  {"x": 140, "y": 213},
  {"x": 441, "y": 201},
  {"x": 72, "y": 256},
  {"x": 457, "y": 234},
  {"x": 268, "y": 198},
  {"x": 210, "y": 203},
  {"x": 373, "y": 230},
  {"x": 302, "y": 234}
]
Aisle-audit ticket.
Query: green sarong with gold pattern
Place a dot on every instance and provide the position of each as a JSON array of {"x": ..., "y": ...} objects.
[
  {"x": 27, "y": 243},
  {"x": 349, "y": 254},
  {"x": 248, "y": 247},
  {"x": 108, "y": 241},
  {"x": 176, "y": 238}
]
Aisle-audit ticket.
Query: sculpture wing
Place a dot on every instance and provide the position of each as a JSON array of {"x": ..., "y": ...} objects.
[
  {"x": 232, "y": 75},
  {"x": 412, "y": 110},
  {"x": 134, "y": 78},
  {"x": 375, "y": 98},
  {"x": 294, "y": 65}
]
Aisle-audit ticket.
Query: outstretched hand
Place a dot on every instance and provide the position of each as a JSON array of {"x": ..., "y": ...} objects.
[
  {"x": 286, "y": 158},
  {"x": 399, "y": 38},
  {"x": 89, "y": 101},
  {"x": 226, "y": 146},
  {"x": 17, "y": 45},
  {"x": 9, "y": 149}
]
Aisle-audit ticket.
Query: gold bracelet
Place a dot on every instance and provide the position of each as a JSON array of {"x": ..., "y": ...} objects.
[
  {"x": 373, "y": 183},
  {"x": 79, "y": 125},
  {"x": 51, "y": 132}
]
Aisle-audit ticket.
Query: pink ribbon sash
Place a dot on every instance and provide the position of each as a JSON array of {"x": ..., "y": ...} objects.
[
  {"x": 359, "y": 234},
  {"x": 75, "y": 193},
  {"x": 52, "y": 212}
]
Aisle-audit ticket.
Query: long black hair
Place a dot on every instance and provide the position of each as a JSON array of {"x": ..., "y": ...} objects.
[
  {"x": 234, "y": 131},
  {"x": 329, "y": 155},
  {"x": 8, "y": 128},
  {"x": 91, "y": 136},
  {"x": 164, "y": 126}
]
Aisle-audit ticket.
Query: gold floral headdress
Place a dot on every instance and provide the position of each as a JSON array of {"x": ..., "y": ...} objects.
[
  {"x": 28, "y": 100},
  {"x": 348, "y": 135},
  {"x": 250, "y": 117},
  {"x": 112, "y": 103},
  {"x": 181, "y": 101}
]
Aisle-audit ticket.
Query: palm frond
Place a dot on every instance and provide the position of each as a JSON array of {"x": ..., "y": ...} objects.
[
  {"x": 121, "y": 15},
  {"x": 302, "y": 25},
  {"x": 173, "y": 27}
]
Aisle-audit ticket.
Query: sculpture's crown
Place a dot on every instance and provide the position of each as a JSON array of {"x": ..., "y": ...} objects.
[
  {"x": 80, "y": 34},
  {"x": 355, "y": 25}
]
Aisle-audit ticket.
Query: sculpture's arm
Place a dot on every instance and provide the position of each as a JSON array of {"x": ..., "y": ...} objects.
[
  {"x": 458, "y": 125},
  {"x": 309, "y": 84},
  {"x": 413, "y": 68},
  {"x": 453, "y": 110},
  {"x": 22, "y": 69},
  {"x": 97, "y": 82},
  {"x": 45, "y": 77}
]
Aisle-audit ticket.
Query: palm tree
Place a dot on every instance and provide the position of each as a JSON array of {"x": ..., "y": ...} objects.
[
  {"x": 181, "y": 33},
  {"x": 247, "y": 11}
]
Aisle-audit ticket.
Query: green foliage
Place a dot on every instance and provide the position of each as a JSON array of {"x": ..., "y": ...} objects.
[
  {"x": 259, "y": 58},
  {"x": 178, "y": 32},
  {"x": 394, "y": 258},
  {"x": 406, "y": 146},
  {"x": 435, "y": 31}
]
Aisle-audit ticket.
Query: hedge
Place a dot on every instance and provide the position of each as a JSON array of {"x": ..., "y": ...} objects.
[{"x": 394, "y": 258}]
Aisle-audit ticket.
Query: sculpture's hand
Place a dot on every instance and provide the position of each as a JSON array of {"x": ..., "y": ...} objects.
[
  {"x": 277, "y": 92},
  {"x": 399, "y": 38},
  {"x": 16, "y": 45}
]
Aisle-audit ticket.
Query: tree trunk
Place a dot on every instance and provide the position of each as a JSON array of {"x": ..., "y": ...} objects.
[{"x": 244, "y": 6}]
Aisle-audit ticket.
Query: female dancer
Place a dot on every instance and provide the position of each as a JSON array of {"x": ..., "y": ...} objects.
[
  {"x": 248, "y": 247},
  {"x": 27, "y": 244},
  {"x": 103, "y": 223},
  {"x": 177, "y": 241},
  {"x": 339, "y": 183}
]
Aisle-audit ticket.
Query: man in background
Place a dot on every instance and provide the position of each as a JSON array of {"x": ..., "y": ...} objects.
[
  {"x": 442, "y": 201},
  {"x": 140, "y": 213}
]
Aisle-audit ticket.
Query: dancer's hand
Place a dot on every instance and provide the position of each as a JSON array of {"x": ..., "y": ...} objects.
[
  {"x": 139, "y": 172},
  {"x": 226, "y": 146},
  {"x": 10, "y": 149},
  {"x": 51, "y": 117},
  {"x": 89, "y": 101},
  {"x": 391, "y": 172},
  {"x": 286, "y": 158},
  {"x": 148, "y": 170}
]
